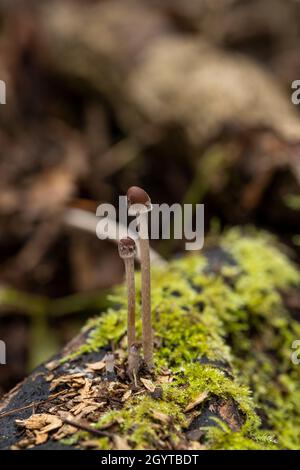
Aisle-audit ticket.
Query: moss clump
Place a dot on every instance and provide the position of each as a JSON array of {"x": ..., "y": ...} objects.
[
  {"x": 223, "y": 438},
  {"x": 229, "y": 311}
]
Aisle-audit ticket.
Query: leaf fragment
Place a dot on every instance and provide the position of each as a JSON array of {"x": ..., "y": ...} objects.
[
  {"x": 162, "y": 417},
  {"x": 148, "y": 384},
  {"x": 121, "y": 443},
  {"x": 126, "y": 395},
  {"x": 197, "y": 401},
  {"x": 96, "y": 366},
  {"x": 40, "y": 422}
]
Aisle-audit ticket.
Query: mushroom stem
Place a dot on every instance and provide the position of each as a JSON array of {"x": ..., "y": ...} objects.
[
  {"x": 129, "y": 270},
  {"x": 109, "y": 360},
  {"x": 127, "y": 251},
  {"x": 146, "y": 289}
]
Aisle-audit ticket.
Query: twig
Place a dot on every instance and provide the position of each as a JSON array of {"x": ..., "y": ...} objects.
[
  {"x": 86, "y": 427},
  {"x": 31, "y": 405},
  {"x": 86, "y": 221}
]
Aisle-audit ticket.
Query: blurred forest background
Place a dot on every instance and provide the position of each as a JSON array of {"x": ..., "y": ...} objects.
[{"x": 189, "y": 99}]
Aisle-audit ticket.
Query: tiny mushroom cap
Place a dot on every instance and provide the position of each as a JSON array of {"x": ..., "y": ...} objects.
[
  {"x": 127, "y": 248},
  {"x": 136, "y": 346},
  {"x": 138, "y": 200}
]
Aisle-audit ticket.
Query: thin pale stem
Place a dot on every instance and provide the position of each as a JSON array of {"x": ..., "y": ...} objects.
[
  {"x": 129, "y": 269},
  {"x": 146, "y": 290}
]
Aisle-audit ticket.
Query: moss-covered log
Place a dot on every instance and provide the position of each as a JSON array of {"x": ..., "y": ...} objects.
[{"x": 224, "y": 375}]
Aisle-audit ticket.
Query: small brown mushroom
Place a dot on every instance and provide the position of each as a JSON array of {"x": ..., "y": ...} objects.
[
  {"x": 109, "y": 360},
  {"x": 127, "y": 251},
  {"x": 134, "y": 362},
  {"x": 139, "y": 204}
]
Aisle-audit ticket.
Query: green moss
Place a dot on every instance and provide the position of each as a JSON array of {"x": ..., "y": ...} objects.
[
  {"x": 234, "y": 315},
  {"x": 221, "y": 437},
  {"x": 137, "y": 421},
  {"x": 293, "y": 201}
]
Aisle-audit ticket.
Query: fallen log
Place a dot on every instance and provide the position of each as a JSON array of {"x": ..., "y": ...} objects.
[{"x": 225, "y": 376}]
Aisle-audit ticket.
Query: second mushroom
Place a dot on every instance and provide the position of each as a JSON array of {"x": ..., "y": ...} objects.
[
  {"x": 127, "y": 251},
  {"x": 139, "y": 204}
]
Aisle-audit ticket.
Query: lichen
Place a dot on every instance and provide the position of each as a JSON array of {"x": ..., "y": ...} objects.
[{"x": 233, "y": 314}]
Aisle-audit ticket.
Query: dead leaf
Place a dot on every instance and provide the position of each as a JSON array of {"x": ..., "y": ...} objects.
[
  {"x": 72, "y": 379},
  {"x": 42, "y": 421},
  {"x": 85, "y": 391},
  {"x": 112, "y": 385},
  {"x": 54, "y": 423},
  {"x": 148, "y": 384},
  {"x": 96, "y": 366},
  {"x": 197, "y": 401},
  {"x": 126, "y": 395},
  {"x": 121, "y": 443},
  {"x": 164, "y": 379},
  {"x": 52, "y": 365},
  {"x": 41, "y": 438},
  {"x": 77, "y": 408},
  {"x": 162, "y": 417},
  {"x": 65, "y": 431},
  {"x": 88, "y": 409},
  {"x": 22, "y": 444}
]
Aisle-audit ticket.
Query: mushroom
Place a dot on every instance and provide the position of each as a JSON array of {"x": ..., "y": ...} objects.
[
  {"x": 109, "y": 360},
  {"x": 127, "y": 251},
  {"x": 139, "y": 205},
  {"x": 134, "y": 361}
]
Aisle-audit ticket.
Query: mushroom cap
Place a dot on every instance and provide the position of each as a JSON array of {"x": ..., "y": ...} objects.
[
  {"x": 109, "y": 356},
  {"x": 127, "y": 248},
  {"x": 138, "y": 200},
  {"x": 136, "y": 346}
]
